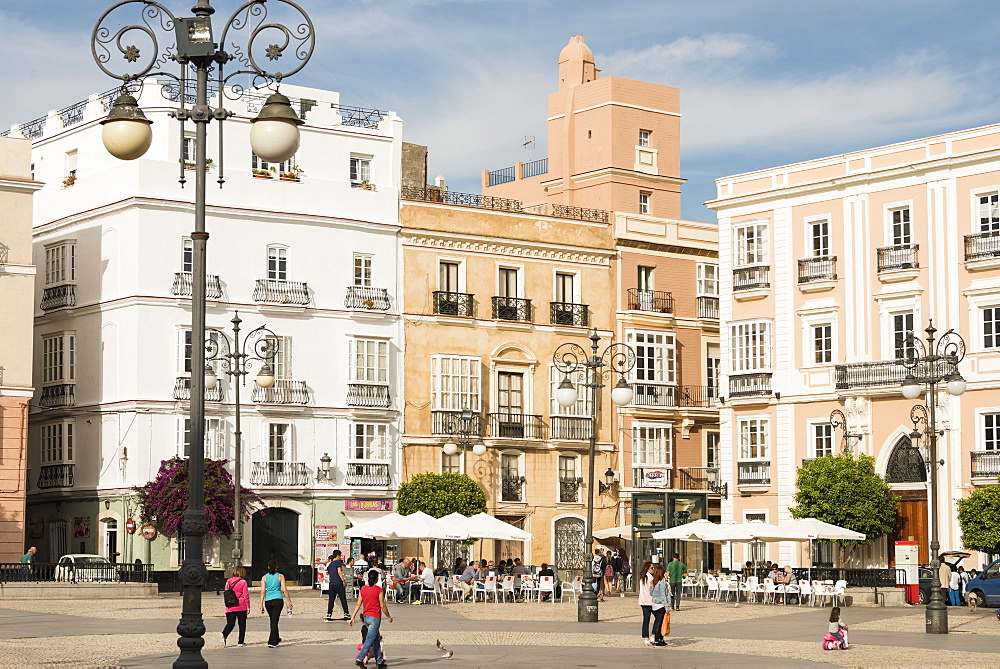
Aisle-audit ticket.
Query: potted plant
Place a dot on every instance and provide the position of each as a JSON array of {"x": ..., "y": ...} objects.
[
  {"x": 188, "y": 165},
  {"x": 367, "y": 185},
  {"x": 69, "y": 181},
  {"x": 261, "y": 174},
  {"x": 293, "y": 173}
]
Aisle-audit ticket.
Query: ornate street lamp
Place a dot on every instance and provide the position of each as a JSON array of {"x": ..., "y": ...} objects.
[
  {"x": 249, "y": 37},
  {"x": 839, "y": 420},
  {"x": 464, "y": 426},
  {"x": 571, "y": 358},
  {"x": 928, "y": 365}
]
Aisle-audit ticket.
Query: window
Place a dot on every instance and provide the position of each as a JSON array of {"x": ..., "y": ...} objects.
[
  {"x": 277, "y": 263},
  {"x": 902, "y": 329},
  {"x": 455, "y": 383},
  {"x": 582, "y": 405},
  {"x": 644, "y": 137},
  {"x": 751, "y": 244},
  {"x": 822, "y": 440},
  {"x": 281, "y": 362},
  {"x": 370, "y": 442},
  {"x": 713, "y": 364},
  {"x": 569, "y": 479},
  {"x": 71, "y": 163},
  {"x": 644, "y": 278},
  {"x": 184, "y": 351},
  {"x": 362, "y": 269},
  {"x": 899, "y": 231},
  {"x": 278, "y": 447},
  {"x": 822, "y": 343},
  {"x": 819, "y": 236},
  {"x": 187, "y": 255},
  {"x": 991, "y": 327},
  {"x": 652, "y": 445},
  {"x": 654, "y": 356},
  {"x": 189, "y": 149},
  {"x": 750, "y": 346},
  {"x": 57, "y": 442},
  {"x": 989, "y": 213},
  {"x": 568, "y": 467},
  {"x": 644, "y": 202},
  {"x": 60, "y": 263},
  {"x": 370, "y": 360},
  {"x": 564, "y": 287},
  {"x": 511, "y": 484},
  {"x": 712, "y": 458},
  {"x": 258, "y": 163},
  {"x": 361, "y": 170},
  {"x": 991, "y": 431},
  {"x": 510, "y": 394},
  {"x": 708, "y": 280},
  {"x": 448, "y": 276},
  {"x": 508, "y": 282},
  {"x": 59, "y": 358},
  {"x": 753, "y": 438},
  {"x": 451, "y": 464},
  {"x": 214, "y": 438}
]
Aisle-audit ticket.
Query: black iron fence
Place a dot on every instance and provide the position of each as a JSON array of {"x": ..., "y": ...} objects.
[
  {"x": 462, "y": 199},
  {"x": 279, "y": 291},
  {"x": 183, "y": 285},
  {"x": 55, "y": 297},
  {"x": 708, "y": 307},
  {"x": 754, "y": 473},
  {"x": 580, "y": 213},
  {"x": 67, "y": 572},
  {"x": 453, "y": 304},
  {"x": 452, "y": 423},
  {"x": 371, "y": 395},
  {"x": 750, "y": 385},
  {"x": 368, "y": 474},
  {"x": 982, "y": 245},
  {"x": 818, "y": 268},
  {"x": 572, "y": 428},
  {"x": 516, "y": 426},
  {"x": 568, "y": 313},
  {"x": 986, "y": 464},
  {"x": 749, "y": 278},
  {"x": 367, "y": 297},
  {"x": 535, "y": 168},
  {"x": 898, "y": 256},
  {"x": 650, "y": 300},
  {"x": 502, "y": 176},
  {"x": 512, "y": 309}
]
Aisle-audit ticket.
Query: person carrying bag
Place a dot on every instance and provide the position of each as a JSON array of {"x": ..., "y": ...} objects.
[{"x": 236, "y": 598}]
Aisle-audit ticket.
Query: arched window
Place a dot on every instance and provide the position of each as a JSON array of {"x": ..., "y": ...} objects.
[
  {"x": 906, "y": 464},
  {"x": 570, "y": 549}
]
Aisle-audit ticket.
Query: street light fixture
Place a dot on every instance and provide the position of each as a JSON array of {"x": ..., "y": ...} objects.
[
  {"x": 256, "y": 34},
  {"x": 839, "y": 420},
  {"x": 571, "y": 358},
  {"x": 928, "y": 365},
  {"x": 464, "y": 426}
]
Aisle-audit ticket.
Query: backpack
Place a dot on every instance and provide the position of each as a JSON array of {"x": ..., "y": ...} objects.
[
  {"x": 229, "y": 598},
  {"x": 596, "y": 571},
  {"x": 626, "y": 569}
]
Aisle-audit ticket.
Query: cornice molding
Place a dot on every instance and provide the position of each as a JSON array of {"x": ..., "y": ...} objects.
[
  {"x": 521, "y": 250},
  {"x": 667, "y": 248}
]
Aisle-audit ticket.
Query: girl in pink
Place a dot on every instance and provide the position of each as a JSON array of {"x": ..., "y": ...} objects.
[
  {"x": 237, "y": 614},
  {"x": 646, "y": 599},
  {"x": 371, "y": 603}
]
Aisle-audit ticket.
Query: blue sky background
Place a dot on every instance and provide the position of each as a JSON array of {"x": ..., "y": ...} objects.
[{"x": 763, "y": 82}]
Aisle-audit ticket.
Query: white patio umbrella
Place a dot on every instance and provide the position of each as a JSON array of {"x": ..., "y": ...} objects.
[
  {"x": 809, "y": 529},
  {"x": 622, "y": 532},
  {"x": 414, "y": 526},
  {"x": 485, "y": 526}
]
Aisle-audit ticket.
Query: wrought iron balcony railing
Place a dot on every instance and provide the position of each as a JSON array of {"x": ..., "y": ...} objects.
[
  {"x": 899, "y": 256},
  {"x": 657, "y": 395},
  {"x": 182, "y": 390},
  {"x": 749, "y": 385},
  {"x": 504, "y": 175},
  {"x": 698, "y": 478},
  {"x": 511, "y": 488},
  {"x": 651, "y": 476},
  {"x": 569, "y": 489},
  {"x": 512, "y": 309},
  {"x": 61, "y": 395},
  {"x": 982, "y": 245},
  {"x": 184, "y": 285},
  {"x": 282, "y": 392},
  {"x": 279, "y": 473},
  {"x": 535, "y": 168},
  {"x": 443, "y": 196},
  {"x": 366, "y": 297},
  {"x": 452, "y": 423},
  {"x": 55, "y": 297},
  {"x": 278, "y": 291},
  {"x": 817, "y": 268},
  {"x": 985, "y": 464},
  {"x": 375, "y": 474},
  {"x": 570, "y": 428},
  {"x": 568, "y": 313},
  {"x": 372, "y": 395},
  {"x": 453, "y": 304},
  {"x": 750, "y": 278},
  {"x": 650, "y": 300},
  {"x": 55, "y": 476},
  {"x": 580, "y": 213},
  {"x": 516, "y": 426},
  {"x": 708, "y": 307},
  {"x": 753, "y": 473}
]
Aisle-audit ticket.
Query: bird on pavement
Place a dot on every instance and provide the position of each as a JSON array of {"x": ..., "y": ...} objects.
[{"x": 448, "y": 654}]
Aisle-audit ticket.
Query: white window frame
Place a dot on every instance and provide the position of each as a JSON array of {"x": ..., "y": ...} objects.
[
  {"x": 185, "y": 350},
  {"x": 281, "y": 362},
  {"x": 708, "y": 279},
  {"x": 813, "y": 318},
  {"x": 577, "y": 474},
  {"x": 645, "y": 202},
  {"x": 457, "y": 461},
  {"x": 215, "y": 438},
  {"x": 288, "y": 439},
  {"x": 822, "y": 344},
  {"x": 444, "y": 394},
  {"x": 188, "y": 152},
  {"x": 992, "y": 210},
  {"x": 581, "y": 408},
  {"x": 369, "y": 360},
  {"x": 371, "y": 440},
  {"x": 57, "y": 442},
  {"x": 748, "y": 450},
  {"x": 519, "y": 270},
  {"x": 713, "y": 449},
  {"x": 816, "y": 427},
  {"x": 363, "y": 269},
  {"x": 258, "y": 163},
  {"x": 750, "y": 344},
  {"x": 890, "y": 223},
  {"x": 745, "y": 253},
  {"x": 664, "y": 352},
  {"x": 71, "y": 163},
  {"x": 645, "y": 277},
  {"x": 60, "y": 262},
  {"x": 187, "y": 255},
  {"x": 993, "y": 331},
  {"x": 901, "y": 348},
  {"x": 645, "y": 137},
  {"x": 58, "y": 358},
  {"x": 575, "y": 297},
  {"x": 278, "y": 255},
  {"x": 982, "y": 443},
  {"x": 811, "y": 224},
  {"x": 713, "y": 366},
  {"x": 520, "y": 472},
  {"x": 659, "y": 455},
  {"x": 360, "y": 168},
  {"x": 460, "y": 275}
]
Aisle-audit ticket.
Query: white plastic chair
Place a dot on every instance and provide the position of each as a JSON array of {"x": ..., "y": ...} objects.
[
  {"x": 431, "y": 590},
  {"x": 770, "y": 590},
  {"x": 790, "y": 589},
  {"x": 527, "y": 586},
  {"x": 759, "y": 590},
  {"x": 688, "y": 584},
  {"x": 711, "y": 585},
  {"x": 574, "y": 587},
  {"x": 489, "y": 588},
  {"x": 746, "y": 588},
  {"x": 547, "y": 584},
  {"x": 805, "y": 590},
  {"x": 455, "y": 591},
  {"x": 725, "y": 586},
  {"x": 507, "y": 588},
  {"x": 839, "y": 592},
  {"x": 820, "y": 591}
]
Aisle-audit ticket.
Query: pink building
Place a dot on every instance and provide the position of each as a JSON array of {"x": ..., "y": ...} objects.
[{"x": 825, "y": 265}]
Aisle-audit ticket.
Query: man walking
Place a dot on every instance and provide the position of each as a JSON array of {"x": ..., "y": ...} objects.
[
  {"x": 28, "y": 560},
  {"x": 675, "y": 576},
  {"x": 335, "y": 574}
]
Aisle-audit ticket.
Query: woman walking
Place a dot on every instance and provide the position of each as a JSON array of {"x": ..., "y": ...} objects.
[
  {"x": 660, "y": 594},
  {"x": 273, "y": 594},
  {"x": 238, "y": 613},
  {"x": 372, "y": 605},
  {"x": 645, "y": 600}
]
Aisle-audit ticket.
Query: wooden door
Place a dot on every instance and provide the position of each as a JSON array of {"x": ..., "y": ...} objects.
[
  {"x": 911, "y": 525},
  {"x": 275, "y": 537}
]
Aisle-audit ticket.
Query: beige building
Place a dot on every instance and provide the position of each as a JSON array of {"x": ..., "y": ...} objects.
[{"x": 17, "y": 284}]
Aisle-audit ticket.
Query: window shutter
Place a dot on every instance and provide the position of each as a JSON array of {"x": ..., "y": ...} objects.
[{"x": 286, "y": 343}]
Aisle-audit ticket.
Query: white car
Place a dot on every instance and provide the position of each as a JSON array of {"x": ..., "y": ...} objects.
[{"x": 82, "y": 567}]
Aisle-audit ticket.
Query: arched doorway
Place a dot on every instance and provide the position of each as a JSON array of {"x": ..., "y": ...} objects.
[
  {"x": 275, "y": 537},
  {"x": 906, "y": 474}
]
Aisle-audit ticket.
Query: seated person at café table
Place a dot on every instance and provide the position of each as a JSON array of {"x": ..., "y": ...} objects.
[
  {"x": 441, "y": 569},
  {"x": 403, "y": 578},
  {"x": 467, "y": 580},
  {"x": 546, "y": 571}
]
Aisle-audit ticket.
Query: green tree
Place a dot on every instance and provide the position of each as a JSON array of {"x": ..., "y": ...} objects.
[
  {"x": 438, "y": 495},
  {"x": 847, "y": 492},
  {"x": 979, "y": 518}
]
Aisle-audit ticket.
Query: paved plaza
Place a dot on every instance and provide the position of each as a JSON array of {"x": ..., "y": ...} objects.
[{"x": 140, "y": 633}]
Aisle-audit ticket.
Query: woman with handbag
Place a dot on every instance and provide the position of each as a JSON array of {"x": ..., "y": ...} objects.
[
  {"x": 236, "y": 597},
  {"x": 659, "y": 592}
]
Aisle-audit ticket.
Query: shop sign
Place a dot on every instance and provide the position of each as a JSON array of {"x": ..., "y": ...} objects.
[
  {"x": 655, "y": 478},
  {"x": 368, "y": 505},
  {"x": 648, "y": 512},
  {"x": 130, "y": 526},
  {"x": 149, "y": 531}
]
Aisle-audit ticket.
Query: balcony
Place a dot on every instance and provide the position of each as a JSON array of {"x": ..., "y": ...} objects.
[
  {"x": 650, "y": 476},
  {"x": 512, "y": 488},
  {"x": 755, "y": 473},
  {"x": 706, "y": 479},
  {"x": 516, "y": 426},
  {"x": 512, "y": 309},
  {"x": 372, "y": 474},
  {"x": 61, "y": 395},
  {"x": 899, "y": 256},
  {"x": 817, "y": 268},
  {"x": 751, "y": 278},
  {"x": 570, "y": 428},
  {"x": 535, "y": 168},
  {"x": 279, "y": 473},
  {"x": 55, "y": 476},
  {"x": 182, "y": 390},
  {"x": 370, "y": 395},
  {"x": 985, "y": 464},
  {"x": 580, "y": 213},
  {"x": 55, "y": 297},
  {"x": 184, "y": 285},
  {"x": 453, "y": 304},
  {"x": 750, "y": 385},
  {"x": 445, "y": 196},
  {"x": 277, "y": 291},
  {"x": 655, "y": 395},
  {"x": 708, "y": 307},
  {"x": 569, "y": 490},
  {"x": 982, "y": 245},
  {"x": 452, "y": 423},
  {"x": 282, "y": 392},
  {"x": 504, "y": 175},
  {"x": 367, "y": 298},
  {"x": 568, "y": 313},
  {"x": 650, "y": 300}
]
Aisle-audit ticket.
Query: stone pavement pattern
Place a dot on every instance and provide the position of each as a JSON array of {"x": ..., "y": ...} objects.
[{"x": 141, "y": 633}]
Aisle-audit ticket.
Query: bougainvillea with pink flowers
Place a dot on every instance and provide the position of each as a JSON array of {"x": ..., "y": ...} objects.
[{"x": 165, "y": 498}]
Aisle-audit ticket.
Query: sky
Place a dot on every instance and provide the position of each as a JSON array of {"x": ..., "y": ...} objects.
[{"x": 763, "y": 82}]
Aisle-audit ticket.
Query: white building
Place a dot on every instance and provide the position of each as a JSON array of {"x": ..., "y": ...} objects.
[{"x": 312, "y": 254}]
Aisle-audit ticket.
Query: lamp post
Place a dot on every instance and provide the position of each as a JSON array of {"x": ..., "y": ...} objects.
[
  {"x": 464, "y": 426},
  {"x": 928, "y": 365},
  {"x": 130, "y": 52},
  {"x": 571, "y": 358},
  {"x": 236, "y": 358},
  {"x": 839, "y": 420}
]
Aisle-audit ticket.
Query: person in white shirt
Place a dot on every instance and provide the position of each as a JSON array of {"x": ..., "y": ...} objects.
[
  {"x": 954, "y": 589},
  {"x": 426, "y": 575}
]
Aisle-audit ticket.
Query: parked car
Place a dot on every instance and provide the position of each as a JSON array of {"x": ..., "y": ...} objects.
[
  {"x": 950, "y": 557},
  {"x": 82, "y": 567},
  {"x": 985, "y": 587}
]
